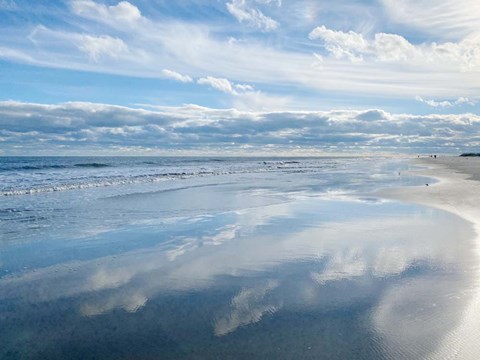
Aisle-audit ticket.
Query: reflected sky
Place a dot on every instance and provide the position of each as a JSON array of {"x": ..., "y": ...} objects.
[{"x": 307, "y": 277}]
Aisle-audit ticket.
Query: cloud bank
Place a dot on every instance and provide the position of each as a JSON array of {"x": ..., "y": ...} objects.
[{"x": 28, "y": 128}]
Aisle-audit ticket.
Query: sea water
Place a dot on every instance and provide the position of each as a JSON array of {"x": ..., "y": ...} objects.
[{"x": 191, "y": 258}]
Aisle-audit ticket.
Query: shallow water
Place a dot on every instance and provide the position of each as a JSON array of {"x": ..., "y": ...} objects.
[{"x": 260, "y": 264}]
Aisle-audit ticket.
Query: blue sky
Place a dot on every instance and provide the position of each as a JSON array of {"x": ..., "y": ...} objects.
[{"x": 239, "y": 76}]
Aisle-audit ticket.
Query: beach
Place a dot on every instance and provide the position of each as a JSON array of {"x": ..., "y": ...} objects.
[
  {"x": 458, "y": 192},
  {"x": 191, "y": 258},
  {"x": 458, "y": 189}
]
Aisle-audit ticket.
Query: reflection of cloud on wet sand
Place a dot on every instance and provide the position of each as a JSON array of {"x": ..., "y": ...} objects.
[
  {"x": 225, "y": 233},
  {"x": 108, "y": 279},
  {"x": 367, "y": 249},
  {"x": 247, "y": 307},
  {"x": 187, "y": 244},
  {"x": 155, "y": 269},
  {"x": 343, "y": 265},
  {"x": 414, "y": 317},
  {"x": 130, "y": 303}
]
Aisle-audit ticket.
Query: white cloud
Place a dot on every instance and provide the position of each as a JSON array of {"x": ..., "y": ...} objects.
[
  {"x": 241, "y": 10},
  {"x": 244, "y": 95},
  {"x": 217, "y": 83},
  {"x": 226, "y": 85},
  {"x": 124, "y": 13},
  {"x": 98, "y": 46},
  {"x": 176, "y": 76},
  {"x": 449, "y": 19},
  {"x": 434, "y": 103},
  {"x": 103, "y": 47},
  {"x": 354, "y": 46},
  {"x": 391, "y": 48},
  {"x": 446, "y": 103},
  {"x": 340, "y": 44},
  {"x": 467, "y": 101},
  {"x": 243, "y": 87}
]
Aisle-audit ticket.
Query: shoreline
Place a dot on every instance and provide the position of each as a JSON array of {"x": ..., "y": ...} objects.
[{"x": 457, "y": 192}]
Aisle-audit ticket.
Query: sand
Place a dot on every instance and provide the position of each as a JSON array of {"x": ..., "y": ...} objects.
[{"x": 458, "y": 192}]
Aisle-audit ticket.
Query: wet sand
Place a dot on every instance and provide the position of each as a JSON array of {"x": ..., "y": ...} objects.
[
  {"x": 248, "y": 266},
  {"x": 457, "y": 191}
]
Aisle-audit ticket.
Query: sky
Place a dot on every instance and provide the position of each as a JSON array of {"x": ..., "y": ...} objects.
[{"x": 300, "y": 77}]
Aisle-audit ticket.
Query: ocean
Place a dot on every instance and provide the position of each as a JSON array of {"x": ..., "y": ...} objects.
[{"x": 229, "y": 258}]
